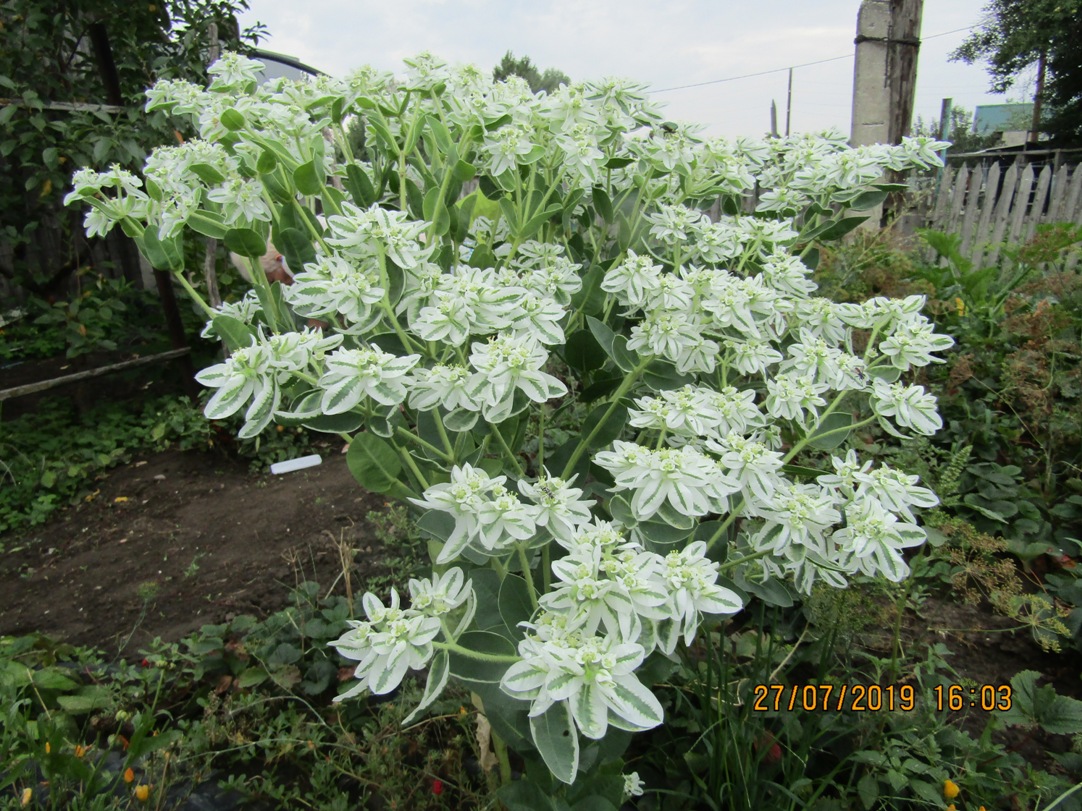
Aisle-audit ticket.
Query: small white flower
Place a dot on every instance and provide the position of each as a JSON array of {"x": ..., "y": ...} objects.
[
  {"x": 909, "y": 406},
  {"x": 353, "y": 374}
]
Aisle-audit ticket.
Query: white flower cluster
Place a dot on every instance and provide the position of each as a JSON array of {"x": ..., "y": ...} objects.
[
  {"x": 395, "y": 640},
  {"x": 448, "y": 323},
  {"x": 613, "y": 603}
]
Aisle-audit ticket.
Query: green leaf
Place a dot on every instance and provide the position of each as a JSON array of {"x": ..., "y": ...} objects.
[
  {"x": 359, "y": 186},
  {"x": 1042, "y": 706},
  {"x": 267, "y": 162},
  {"x": 345, "y": 423},
  {"x": 839, "y": 228},
  {"x": 246, "y": 242},
  {"x": 866, "y": 200},
  {"x": 89, "y": 698},
  {"x": 463, "y": 171},
  {"x": 438, "y": 671},
  {"x": 52, "y": 678},
  {"x": 514, "y": 604},
  {"x": 626, "y": 359},
  {"x": 207, "y": 224},
  {"x": 153, "y": 249},
  {"x": 609, "y": 429},
  {"x": 603, "y": 204},
  {"x": 233, "y": 332},
  {"x": 583, "y": 353},
  {"x": 232, "y": 120},
  {"x": 309, "y": 177},
  {"x": 831, "y": 432},
  {"x": 555, "y": 737},
  {"x": 524, "y": 795},
  {"x": 661, "y": 375},
  {"x": 474, "y": 670},
  {"x": 440, "y": 133},
  {"x": 207, "y": 173},
  {"x": 252, "y": 677},
  {"x": 296, "y": 246},
  {"x": 374, "y": 463},
  {"x": 435, "y": 211}
]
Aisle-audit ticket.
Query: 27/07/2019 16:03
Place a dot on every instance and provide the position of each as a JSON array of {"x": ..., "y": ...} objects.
[{"x": 877, "y": 698}]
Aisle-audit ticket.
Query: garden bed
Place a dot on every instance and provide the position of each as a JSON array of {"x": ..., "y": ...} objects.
[{"x": 176, "y": 540}]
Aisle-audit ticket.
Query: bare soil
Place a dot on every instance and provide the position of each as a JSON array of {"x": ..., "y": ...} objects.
[{"x": 176, "y": 540}]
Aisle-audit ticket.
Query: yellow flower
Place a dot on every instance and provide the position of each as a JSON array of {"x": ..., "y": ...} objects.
[
  {"x": 129, "y": 775},
  {"x": 951, "y": 807},
  {"x": 960, "y": 306},
  {"x": 81, "y": 750},
  {"x": 48, "y": 748},
  {"x": 28, "y": 793},
  {"x": 142, "y": 792},
  {"x": 950, "y": 789}
]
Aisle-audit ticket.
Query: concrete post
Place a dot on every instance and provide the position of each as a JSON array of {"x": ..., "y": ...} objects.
[{"x": 871, "y": 80}]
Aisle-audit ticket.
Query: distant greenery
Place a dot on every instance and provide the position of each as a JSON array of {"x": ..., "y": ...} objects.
[
  {"x": 1014, "y": 36},
  {"x": 548, "y": 81},
  {"x": 960, "y": 131},
  {"x": 60, "y": 53}
]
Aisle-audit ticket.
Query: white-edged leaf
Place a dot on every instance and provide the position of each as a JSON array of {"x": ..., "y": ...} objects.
[
  {"x": 229, "y": 399},
  {"x": 342, "y": 396},
  {"x": 438, "y": 671},
  {"x": 555, "y": 738},
  {"x": 633, "y": 702}
]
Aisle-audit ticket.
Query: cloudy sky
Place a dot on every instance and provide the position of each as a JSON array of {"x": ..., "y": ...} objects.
[{"x": 668, "y": 45}]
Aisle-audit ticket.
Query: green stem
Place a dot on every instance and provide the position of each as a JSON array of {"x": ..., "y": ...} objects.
[
  {"x": 494, "y": 430},
  {"x": 501, "y": 755},
  {"x": 428, "y": 446},
  {"x": 734, "y": 513},
  {"x": 194, "y": 294},
  {"x": 732, "y": 564},
  {"x": 625, "y": 387},
  {"x": 416, "y": 471},
  {"x": 527, "y": 574},
  {"x": 839, "y": 430},
  {"x": 835, "y": 403},
  {"x": 446, "y": 440},
  {"x": 501, "y": 658}
]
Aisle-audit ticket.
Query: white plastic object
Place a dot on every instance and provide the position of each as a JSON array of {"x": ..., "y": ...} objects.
[{"x": 300, "y": 463}]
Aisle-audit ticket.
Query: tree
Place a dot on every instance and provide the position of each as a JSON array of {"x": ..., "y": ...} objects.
[
  {"x": 1016, "y": 35},
  {"x": 960, "y": 132},
  {"x": 60, "y": 64},
  {"x": 547, "y": 81}
]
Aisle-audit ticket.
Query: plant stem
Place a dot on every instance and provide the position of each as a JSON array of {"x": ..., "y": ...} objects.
[
  {"x": 527, "y": 574},
  {"x": 476, "y": 655},
  {"x": 495, "y": 431},
  {"x": 428, "y": 446},
  {"x": 625, "y": 387}
]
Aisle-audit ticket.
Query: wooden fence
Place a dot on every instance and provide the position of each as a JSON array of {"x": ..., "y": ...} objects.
[{"x": 992, "y": 206}]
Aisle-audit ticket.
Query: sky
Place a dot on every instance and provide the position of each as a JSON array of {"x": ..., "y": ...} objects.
[{"x": 666, "y": 45}]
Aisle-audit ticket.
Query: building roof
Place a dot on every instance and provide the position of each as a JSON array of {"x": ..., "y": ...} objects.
[
  {"x": 278, "y": 65},
  {"x": 992, "y": 118}
]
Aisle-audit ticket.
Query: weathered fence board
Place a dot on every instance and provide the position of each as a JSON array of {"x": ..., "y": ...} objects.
[{"x": 989, "y": 207}]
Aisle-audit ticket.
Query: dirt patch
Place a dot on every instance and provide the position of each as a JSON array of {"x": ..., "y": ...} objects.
[{"x": 176, "y": 540}]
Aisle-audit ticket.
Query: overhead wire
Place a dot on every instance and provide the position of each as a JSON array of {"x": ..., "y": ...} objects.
[{"x": 794, "y": 67}]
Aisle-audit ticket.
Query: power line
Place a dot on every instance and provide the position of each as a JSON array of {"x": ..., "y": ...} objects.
[{"x": 791, "y": 67}]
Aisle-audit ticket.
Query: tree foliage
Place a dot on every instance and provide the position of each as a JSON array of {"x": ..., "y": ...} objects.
[
  {"x": 960, "y": 132},
  {"x": 548, "y": 81},
  {"x": 85, "y": 52},
  {"x": 1012, "y": 38}
]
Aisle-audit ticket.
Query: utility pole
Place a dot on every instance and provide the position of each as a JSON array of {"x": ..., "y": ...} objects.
[
  {"x": 789, "y": 104},
  {"x": 1035, "y": 127},
  {"x": 904, "y": 42},
  {"x": 884, "y": 76}
]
